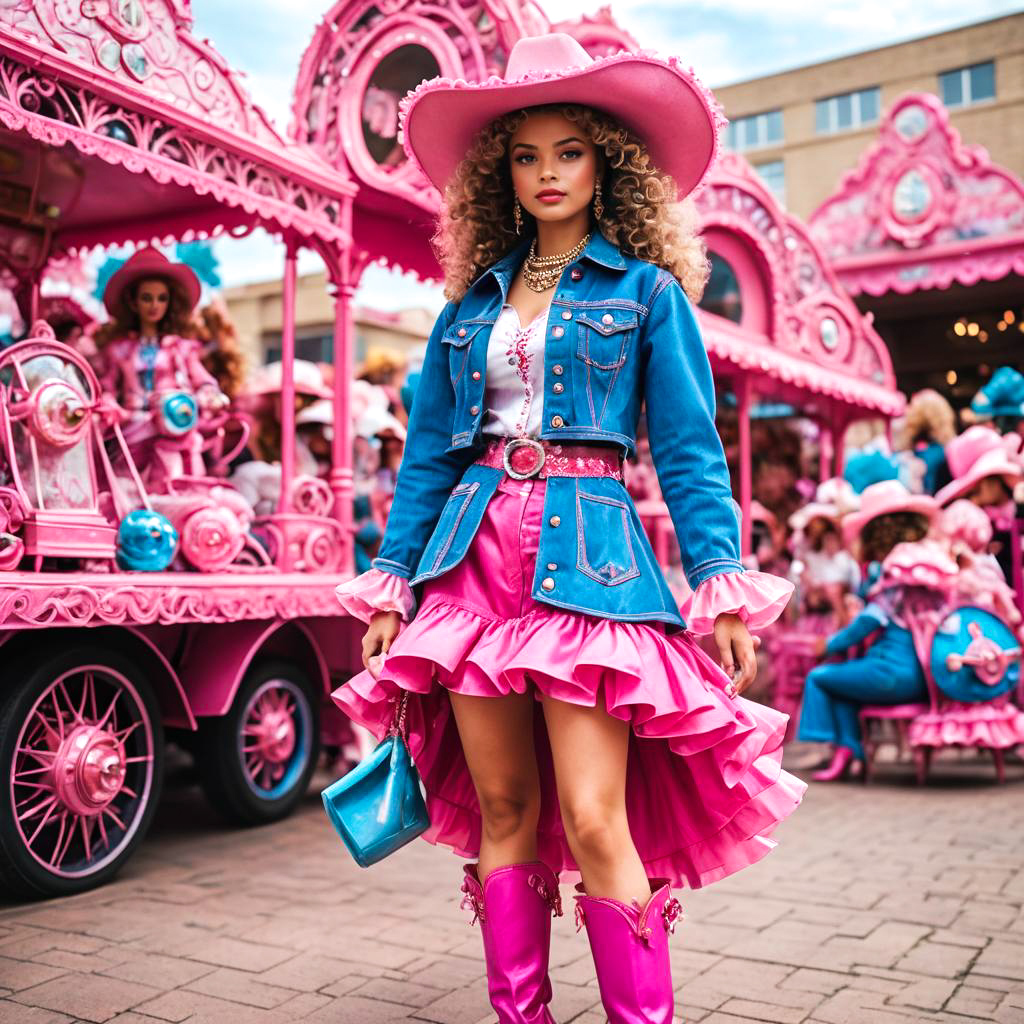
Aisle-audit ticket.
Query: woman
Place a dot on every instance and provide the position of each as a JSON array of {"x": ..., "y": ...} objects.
[
  {"x": 559, "y": 716},
  {"x": 154, "y": 368}
]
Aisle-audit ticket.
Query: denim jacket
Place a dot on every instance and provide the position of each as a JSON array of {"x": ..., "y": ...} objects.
[{"x": 620, "y": 332}]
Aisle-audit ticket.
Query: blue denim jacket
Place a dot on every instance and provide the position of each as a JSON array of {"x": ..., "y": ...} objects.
[{"x": 620, "y": 332}]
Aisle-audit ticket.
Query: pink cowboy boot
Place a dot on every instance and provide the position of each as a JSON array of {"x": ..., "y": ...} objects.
[
  {"x": 514, "y": 908},
  {"x": 841, "y": 762},
  {"x": 630, "y": 947}
]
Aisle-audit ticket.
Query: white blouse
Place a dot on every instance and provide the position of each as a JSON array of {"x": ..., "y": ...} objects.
[{"x": 514, "y": 395}]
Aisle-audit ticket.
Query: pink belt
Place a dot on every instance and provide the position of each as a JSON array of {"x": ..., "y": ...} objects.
[{"x": 523, "y": 458}]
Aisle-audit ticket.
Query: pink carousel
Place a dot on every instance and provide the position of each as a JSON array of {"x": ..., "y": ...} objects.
[{"x": 141, "y": 596}]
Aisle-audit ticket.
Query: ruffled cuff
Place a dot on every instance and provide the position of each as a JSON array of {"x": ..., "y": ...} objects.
[
  {"x": 376, "y": 591},
  {"x": 758, "y": 598}
]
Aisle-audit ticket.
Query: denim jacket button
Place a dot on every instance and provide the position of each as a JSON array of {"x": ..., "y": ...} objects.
[
  {"x": 607, "y": 319},
  {"x": 557, "y": 332},
  {"x": 557, "y": 369},
  {"x": 476, "y": 375},
  {"x": 474, "y": 409},
  {"x": 462, "y": 332},
  {"x": 557, "y": 421},
  {"x": 558, "y": 388},
  {"x": 552, "y": 566},
  {"x": 566, "y": 315},
  {"x": 548, "y": 583},
  {"x": 555, "y": 520},
  {"x": 576, "y": 273}
]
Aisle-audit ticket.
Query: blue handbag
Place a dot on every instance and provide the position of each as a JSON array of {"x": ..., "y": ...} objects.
[{"x": 378, "y": 807}]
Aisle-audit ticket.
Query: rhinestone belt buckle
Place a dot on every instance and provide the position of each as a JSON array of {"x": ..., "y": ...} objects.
[{"x": 523, "y": 458}]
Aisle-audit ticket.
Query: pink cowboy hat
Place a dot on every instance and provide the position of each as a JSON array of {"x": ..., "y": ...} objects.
[
  {"x": 146, "y": 263},
  {"x": 882, "y": 499},
  {"x": 977, "y": 453},
  {"x": 661, "y": 103}
]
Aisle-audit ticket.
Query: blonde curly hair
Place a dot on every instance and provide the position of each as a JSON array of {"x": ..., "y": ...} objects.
[{"x": 641, "y": 214}]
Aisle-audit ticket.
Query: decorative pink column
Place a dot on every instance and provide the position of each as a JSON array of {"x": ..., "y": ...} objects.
[
  {"x": 826, "y": 449},
  {"x": 743, "y": 400},
  {"x": 288, "y": 377},
  {"x": 840, "y": 421}
]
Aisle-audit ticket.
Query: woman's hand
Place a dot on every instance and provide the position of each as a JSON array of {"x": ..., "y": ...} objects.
[
  {"x": 379, "y": 636},
  {"x": 736, "y": 649}
]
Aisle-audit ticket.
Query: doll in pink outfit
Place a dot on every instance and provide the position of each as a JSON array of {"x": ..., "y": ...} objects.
[{"x": 153, "y": 369}]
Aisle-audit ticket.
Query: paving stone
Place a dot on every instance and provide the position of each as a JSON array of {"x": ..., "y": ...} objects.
[
  {"x": 240, "y": 987},
  {"x": 16, "y": 1013},
  {"x": 20, "y": 974},
  {"x": 87, "y": 996},
  {"x": 939, "y": 960}
]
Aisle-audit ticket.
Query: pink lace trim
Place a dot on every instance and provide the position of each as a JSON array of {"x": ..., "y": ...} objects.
[
  {"x": 990, "y": 725},
  {"x": 376, "y": 591},
  {"x": 758, "y": 598}
]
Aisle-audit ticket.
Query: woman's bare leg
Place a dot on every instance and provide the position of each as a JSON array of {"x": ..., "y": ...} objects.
[
  {"x": 590, "y": 749},
  {"x": 497, "y": 740}
]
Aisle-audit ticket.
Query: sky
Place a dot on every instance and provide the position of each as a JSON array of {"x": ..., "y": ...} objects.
[{"x": 726, "y": 41}]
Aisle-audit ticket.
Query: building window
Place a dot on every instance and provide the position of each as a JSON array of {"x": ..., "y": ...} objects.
[
  {"x": 964, "y": 86},
  {"x": 722, "y": 293},
  {"x": 847, "y": 110},
  {"x": 773, "y": 173},
  {"x": 755, "y": 131}
]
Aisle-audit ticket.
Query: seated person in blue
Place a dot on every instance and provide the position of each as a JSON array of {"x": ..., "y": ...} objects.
[{"x": 889, "y": 521}]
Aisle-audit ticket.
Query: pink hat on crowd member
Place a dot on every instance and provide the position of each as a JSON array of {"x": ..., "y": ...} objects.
[
  {"x": 148, "y": 263},
  {"x": 977, "y": 453},
  {"x": 965, "y": 524},
  {"x": 921, "y": 563},
  {"x": 665, "y": 106},
  {"x": 882, "y": 499}
]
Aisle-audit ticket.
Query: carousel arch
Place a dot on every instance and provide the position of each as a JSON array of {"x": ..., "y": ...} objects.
[{"x": 777, "y": 322}]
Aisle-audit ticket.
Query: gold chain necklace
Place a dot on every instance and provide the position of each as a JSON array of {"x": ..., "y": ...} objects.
[{"x": 542, "y": 272}]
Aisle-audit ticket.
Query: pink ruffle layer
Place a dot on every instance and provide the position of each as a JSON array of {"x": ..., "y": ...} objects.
[
  {"x": 705, "y": 785},
  {"x": 376, "y": 591},
  {"x": 758, "y": 598},
  {"x": 999, "y": 726}
]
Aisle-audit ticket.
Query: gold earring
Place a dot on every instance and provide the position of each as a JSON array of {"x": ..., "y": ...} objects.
[
  {"x": 598, "y": 204},
  {"x": 517, "y": 216}
]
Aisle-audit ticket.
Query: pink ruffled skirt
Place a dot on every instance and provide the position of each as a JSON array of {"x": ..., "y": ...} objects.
[{"x": 704, "y": 787}]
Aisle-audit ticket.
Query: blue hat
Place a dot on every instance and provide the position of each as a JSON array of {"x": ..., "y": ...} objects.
[
  {"x": 868, "y": 468},
  {"x": 1003, "y": 395}
]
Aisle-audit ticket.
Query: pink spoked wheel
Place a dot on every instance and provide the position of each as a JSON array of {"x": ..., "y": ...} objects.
[
  {"x": 82, "y": 742},
  {"x": 256, "y": 761}
]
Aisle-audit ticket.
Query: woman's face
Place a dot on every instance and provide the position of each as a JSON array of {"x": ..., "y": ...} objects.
[
  {"x": 152, "y": 297},
  {"x": 990, "y": 491},
  {"x": 554, "y": 166}
]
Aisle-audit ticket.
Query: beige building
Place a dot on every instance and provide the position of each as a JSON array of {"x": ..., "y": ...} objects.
[
  {"x": 256, "y": 311},
  {"x": 803, "y": 128}
]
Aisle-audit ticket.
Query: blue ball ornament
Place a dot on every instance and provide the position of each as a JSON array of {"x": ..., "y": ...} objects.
[{"x": 146, "y": 540}]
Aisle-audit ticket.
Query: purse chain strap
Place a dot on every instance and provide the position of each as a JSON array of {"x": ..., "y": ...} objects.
[{"x": 398, "y": 725}]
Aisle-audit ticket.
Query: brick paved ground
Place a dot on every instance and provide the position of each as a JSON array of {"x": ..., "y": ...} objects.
[{"x": 885, "y": 905}]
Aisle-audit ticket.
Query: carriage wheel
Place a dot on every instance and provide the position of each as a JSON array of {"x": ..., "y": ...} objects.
[
  {"x": 82, "y": 743},
  {"x": 257, "y": 760}
]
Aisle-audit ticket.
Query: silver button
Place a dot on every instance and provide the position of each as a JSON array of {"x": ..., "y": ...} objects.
[
  {"x": 555, "y": 520},
  {"x": 557, "y": 332},
  {"x": 548, "y": 583},
  {"x": 511, "y": 362},
  {"x": 462, "y": 332},
  {"x": 476, "y": 375},
  {"x": 557, "y": 369},
  {"x": 474, "y": 409},
  {"x": 552, "y": 566},
  {"x": 607, "y": 319},
  {"x": 566, "y": 315},
  {"x": 576, "y": 273},
  {"x": 558, "y": 388},
  {"x": 557, "y": 421}
]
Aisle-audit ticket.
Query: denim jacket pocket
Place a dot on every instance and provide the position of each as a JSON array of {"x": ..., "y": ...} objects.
[
  {"x": 457, "y": 339},
  {"x": 604, "y": 546},
  {"x": 447, "y": 526},
  {"x": 603, "y": 338}
]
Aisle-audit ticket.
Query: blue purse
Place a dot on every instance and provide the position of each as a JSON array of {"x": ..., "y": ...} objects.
[{"x": 378, "y": 807}]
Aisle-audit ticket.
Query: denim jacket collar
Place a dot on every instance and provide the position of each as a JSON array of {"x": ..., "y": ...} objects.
[{"x": 599, "y": 250}]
